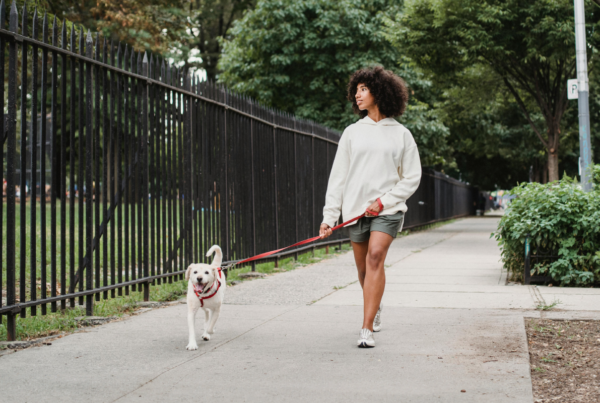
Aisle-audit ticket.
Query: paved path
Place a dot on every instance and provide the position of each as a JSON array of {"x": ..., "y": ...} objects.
[{"x": 450, "y": 324}]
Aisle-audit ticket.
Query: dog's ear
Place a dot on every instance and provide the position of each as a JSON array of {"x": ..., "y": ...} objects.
[
  {"x": 187, "y": 272},
  {"x": 216, "y": 272}
]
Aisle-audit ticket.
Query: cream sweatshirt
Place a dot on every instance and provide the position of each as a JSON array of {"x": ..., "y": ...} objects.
[{"x": 373, "y": 160}]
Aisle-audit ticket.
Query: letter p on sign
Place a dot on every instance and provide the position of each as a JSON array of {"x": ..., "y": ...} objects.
[{"x": 572, "y": 92}]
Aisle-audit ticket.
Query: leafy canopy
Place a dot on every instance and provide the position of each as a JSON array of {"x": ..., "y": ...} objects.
[
  {"x": 298, "y": 56},
  {"x": 529, "y": 45},
  {"x": 154, "y": 25}
]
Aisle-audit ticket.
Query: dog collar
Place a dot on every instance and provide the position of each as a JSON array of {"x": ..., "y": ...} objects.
[{"x": 200, "y": 291}]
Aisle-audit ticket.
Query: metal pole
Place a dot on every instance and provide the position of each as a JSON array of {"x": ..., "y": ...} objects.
[{"x": 585, "y": 146}]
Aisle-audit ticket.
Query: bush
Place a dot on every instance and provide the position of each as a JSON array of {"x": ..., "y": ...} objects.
[{"x": 559, "y": 217}]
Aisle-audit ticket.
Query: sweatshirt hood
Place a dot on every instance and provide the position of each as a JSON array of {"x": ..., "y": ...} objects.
[{"x": 383, "y": 122}]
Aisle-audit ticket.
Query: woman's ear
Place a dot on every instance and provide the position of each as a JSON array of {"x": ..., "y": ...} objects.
[{"x": 187, "y": 273}]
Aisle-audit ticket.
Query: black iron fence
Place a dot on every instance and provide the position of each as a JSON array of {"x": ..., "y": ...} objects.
[{"x": 121, "y": 169}]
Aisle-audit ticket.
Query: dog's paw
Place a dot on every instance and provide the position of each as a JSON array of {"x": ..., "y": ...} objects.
[
  {"x": 192, "y": 346},
  {"x": 206, "y": 336}
]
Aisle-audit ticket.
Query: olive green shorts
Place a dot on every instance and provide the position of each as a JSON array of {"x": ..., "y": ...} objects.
[{"x": 389, "y": 224}]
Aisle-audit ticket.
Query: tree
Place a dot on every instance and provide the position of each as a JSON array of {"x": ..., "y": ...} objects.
[
  {"x": 153, "y": 25},
  {"x": 529, "y": 45},
  {"x": 298, "y": 56},
  {"x": 493, "y": 144},
  {"x": 214, "y": 18}
]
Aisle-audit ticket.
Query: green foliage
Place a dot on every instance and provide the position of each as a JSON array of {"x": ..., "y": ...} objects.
[
  {"x": 298, "y": 56},
  {"x": 526, "y": 47},
  {"x": 154, "y": 25},
  {"x": 558, "y": 216}
]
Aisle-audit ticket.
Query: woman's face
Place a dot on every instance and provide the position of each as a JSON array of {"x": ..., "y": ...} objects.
[{"x": 364, "y": 99}]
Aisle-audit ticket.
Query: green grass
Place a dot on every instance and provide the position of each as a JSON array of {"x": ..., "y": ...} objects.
[
  {"x": 58, "y": 322},
  {"x": 70, "y": 245},
  {"x": 425, "y": 227},
  {"x": 289, "y": 263},
  {"x": 548, "y": 307}
]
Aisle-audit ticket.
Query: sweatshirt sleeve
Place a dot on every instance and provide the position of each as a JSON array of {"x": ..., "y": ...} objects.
[
  {"x": 409, "y": 172},
  {"x": 337, "y": 181}
]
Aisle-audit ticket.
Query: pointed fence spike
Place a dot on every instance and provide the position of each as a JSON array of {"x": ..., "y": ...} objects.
[
  {"x": 112, "y": 52},
  {"x": 13, "y": 24},
  {"x": 146, "y": 70},
  {"x": 2, "y": 14},
  {"x": 72, "y": 39},
  {"x": 119, "y": 56},
  {"x": 24, "y": 30},
  {"x": 88, "y": 38},
  {"x": 81, "y": 43},
  {"x": 105, "y": 51},
  {"x": 45, "y": 28},
  {"x": 97, "y": 46},
  {"x": 54, "y": 32},
  {"x": 63, "y": 35}
]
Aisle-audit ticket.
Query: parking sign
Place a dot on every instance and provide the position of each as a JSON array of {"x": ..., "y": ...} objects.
[{"x": 572, "y": 89}]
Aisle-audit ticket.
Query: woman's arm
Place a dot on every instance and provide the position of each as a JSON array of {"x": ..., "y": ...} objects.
[
  {"x": 410, "y": 176},
  {"x": 337, "y": 180}
]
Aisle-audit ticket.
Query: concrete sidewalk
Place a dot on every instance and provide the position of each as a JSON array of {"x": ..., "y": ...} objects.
[{"x": 450, "y": 324}]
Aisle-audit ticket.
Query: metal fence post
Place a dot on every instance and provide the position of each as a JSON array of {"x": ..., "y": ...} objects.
[
  {"x": 276, "y": 193},
  {"x": 188, "y": 196},
  {"x": 89, "y": 155},
  {"x": 312, "y": 145},
  {"x": 253, "y": 184},
  {"x": 296, "y": 188},
  {"x": 145, "y": 173},
  {"x": 10, "y": 175},
  {"x": 23, "y": 168},
  {"x": 226, "y": 206}
]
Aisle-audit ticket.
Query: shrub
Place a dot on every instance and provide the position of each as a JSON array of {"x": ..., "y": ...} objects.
[{"x": 559, "y": 216}]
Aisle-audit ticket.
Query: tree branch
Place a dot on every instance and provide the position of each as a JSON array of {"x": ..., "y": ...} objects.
[{"x": 522, "y": 105}]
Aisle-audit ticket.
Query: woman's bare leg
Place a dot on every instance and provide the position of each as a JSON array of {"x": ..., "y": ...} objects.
[
  {"x": 374, "y": 280},
  {"x": 360, "y": 250}
]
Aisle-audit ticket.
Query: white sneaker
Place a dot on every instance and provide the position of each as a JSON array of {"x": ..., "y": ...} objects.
[
  {"x": 377, "y": 320},
  {"x": 365, "y": 338}
]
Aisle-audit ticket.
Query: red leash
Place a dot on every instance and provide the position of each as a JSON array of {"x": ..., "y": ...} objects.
[{"x": 309, "y": 240}]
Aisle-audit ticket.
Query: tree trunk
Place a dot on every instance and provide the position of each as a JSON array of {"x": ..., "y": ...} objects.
[{"x": 553, "y": 166}]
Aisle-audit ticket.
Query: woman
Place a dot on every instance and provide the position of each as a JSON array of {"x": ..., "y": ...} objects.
[{"x": 376, "y": 169}]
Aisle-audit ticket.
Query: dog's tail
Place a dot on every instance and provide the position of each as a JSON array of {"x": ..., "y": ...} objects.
[{"x": 218, "y": 255}]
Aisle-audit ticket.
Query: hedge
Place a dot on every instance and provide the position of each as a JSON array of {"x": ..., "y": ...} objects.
[{"x": 560, "y": 217}]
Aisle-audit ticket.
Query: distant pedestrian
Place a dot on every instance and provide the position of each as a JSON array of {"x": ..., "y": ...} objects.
[{"x": 376, "y": 169}]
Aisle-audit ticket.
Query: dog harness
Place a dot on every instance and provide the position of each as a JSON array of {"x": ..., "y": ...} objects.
[{"x": 201, "y": 293}]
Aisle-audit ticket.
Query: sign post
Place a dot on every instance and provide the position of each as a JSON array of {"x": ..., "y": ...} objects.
[{"x": 585, "y": 145}]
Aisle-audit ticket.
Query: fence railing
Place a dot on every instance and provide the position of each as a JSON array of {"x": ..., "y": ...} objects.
[{"x": 120, "y": 170}]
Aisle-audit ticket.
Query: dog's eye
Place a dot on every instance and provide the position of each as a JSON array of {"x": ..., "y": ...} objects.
[
  {"x": 205, "y": 272},
  {"x": 195, "y": 272}
]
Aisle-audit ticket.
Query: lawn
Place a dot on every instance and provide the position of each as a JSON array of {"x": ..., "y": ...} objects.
[{"x": 73, "y": 246}]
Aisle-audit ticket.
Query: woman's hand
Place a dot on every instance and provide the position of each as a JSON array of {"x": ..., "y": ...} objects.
[
  {"x": 375, "y": 208},
  {"x": 324, "y": 231}
]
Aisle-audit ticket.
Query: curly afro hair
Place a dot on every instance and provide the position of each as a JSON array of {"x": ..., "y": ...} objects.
[{"x": 389, "y": 91}]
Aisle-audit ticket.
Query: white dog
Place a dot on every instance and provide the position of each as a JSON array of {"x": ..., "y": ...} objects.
[{"x": 206, "y": 289}]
